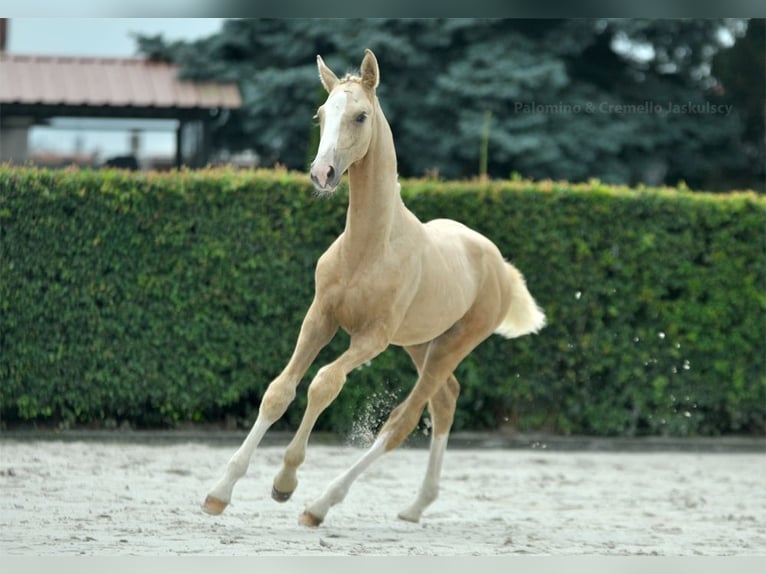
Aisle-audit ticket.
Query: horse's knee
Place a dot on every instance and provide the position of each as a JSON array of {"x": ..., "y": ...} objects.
[
  {"x": 326, "y": 386},
  {"x": 276, "y": 399}
]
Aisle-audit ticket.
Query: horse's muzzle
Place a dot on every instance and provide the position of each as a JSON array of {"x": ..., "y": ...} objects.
[{"x": 325, "y": 178}]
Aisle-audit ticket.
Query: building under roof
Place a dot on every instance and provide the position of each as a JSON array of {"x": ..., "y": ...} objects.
[{"x": 34, "y": 89}]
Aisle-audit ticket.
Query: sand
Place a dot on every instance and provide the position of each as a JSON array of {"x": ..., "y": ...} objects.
[{"x": 112, "y": 498}]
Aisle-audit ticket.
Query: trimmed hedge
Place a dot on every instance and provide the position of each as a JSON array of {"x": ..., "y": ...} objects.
[{"x": 160, "y": 299}]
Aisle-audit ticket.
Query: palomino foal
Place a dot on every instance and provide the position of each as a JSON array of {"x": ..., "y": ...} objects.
[{"x": 437, "y": 289}]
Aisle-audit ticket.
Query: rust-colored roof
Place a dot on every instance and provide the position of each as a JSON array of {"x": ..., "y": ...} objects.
[{"x": 115, "y": 82}]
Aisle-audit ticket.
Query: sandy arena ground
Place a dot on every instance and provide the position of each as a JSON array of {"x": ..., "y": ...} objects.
[{"x": 130, "y": 498}]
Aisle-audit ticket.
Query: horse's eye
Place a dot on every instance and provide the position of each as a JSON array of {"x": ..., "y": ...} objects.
[{"x": 360, "y": 118}]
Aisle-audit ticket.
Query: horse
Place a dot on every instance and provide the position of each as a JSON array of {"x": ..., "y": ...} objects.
[{"x": 437, "y": 289}]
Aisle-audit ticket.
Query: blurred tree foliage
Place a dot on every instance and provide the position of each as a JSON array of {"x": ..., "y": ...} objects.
[
  {"x": 740, "y": 71},
  {"x": 624, "y": 101}
]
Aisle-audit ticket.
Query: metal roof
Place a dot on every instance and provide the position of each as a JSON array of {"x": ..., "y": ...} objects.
[{"x": 106, "y": 82}]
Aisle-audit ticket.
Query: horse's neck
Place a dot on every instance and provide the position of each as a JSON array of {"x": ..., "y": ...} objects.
[{"x": 375, "y": 205}]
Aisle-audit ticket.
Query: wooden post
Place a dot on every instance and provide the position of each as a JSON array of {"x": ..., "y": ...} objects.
[
  {"x": 179, "y": 144},
  {"x": 3, "y": 34},
  {"x": 206, "y": 144}
]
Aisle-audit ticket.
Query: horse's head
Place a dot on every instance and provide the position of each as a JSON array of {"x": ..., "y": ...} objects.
[{"x": 346, "y": 121}]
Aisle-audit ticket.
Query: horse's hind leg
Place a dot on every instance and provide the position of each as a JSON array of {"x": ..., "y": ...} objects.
[
  {"x": 336, "y": 491},
  {"x": 441, "y": 357},
  {"x": 442, "y": 409}
]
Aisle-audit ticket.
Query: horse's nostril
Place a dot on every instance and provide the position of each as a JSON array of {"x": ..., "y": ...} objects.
[{"x": 330, "y": 173}]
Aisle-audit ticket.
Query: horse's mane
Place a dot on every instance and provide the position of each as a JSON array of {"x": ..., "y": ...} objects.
[{"x": 351, "y": 77}]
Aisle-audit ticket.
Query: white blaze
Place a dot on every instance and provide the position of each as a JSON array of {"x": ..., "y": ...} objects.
[{"x": 333, "y": 114}]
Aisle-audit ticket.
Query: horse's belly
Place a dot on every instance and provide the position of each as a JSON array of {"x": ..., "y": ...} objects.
[{"x": 421, "y": 329}]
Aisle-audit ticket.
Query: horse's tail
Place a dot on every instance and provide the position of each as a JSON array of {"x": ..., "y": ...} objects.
[{"x": 524, "y": 316}]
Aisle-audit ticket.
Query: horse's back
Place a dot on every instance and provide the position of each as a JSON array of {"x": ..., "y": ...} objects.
[{"x": 453, "y": 239}]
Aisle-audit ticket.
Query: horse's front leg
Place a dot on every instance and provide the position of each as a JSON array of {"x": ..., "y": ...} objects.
[
  {"x": 323, "y": 390},
  {"x": 317, "y": 330}
]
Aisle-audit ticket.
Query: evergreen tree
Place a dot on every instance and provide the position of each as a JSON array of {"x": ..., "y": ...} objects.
[
  {"x": 741, "y": 73},
  {"x": 625, "y": 101}
]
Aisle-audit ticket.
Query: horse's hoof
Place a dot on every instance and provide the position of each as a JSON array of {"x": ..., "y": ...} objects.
[
  {"x": 280, "y": 496},
  {"x": 214, "y": 506},
  {"x": 308, "y": 519},
  {"x": 409, "y": 517}
]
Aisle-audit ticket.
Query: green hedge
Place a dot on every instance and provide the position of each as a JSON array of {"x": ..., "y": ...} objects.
[{"x": 161, "y": 299}]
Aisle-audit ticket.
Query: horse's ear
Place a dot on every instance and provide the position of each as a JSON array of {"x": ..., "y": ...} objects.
[
  {"x": 370, "y": 73},
  {"x": 326, "y": 75}
]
